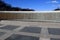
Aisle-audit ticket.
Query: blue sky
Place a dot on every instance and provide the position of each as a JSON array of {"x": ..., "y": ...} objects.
[{"x": 38, "y": 5}]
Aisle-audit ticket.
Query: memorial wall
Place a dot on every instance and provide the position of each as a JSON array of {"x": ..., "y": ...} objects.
[{"x": 32, "y": 16}]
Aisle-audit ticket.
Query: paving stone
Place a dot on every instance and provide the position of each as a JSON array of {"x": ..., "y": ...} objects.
[
  {"x": 54, "y": 39},
  {"x": 21, "y": 37},
  {"x": 1, "y": 24},
  {"x": 2, "y": 33},
  {"x": 31, "y": 29},
  {"x": 54, "y": 31},
  {"x": 9, "y": 27}
]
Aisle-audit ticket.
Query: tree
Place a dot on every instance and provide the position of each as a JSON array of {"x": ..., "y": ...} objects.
[
  {"x": 7, "y": 7},
  {"x": 27, "y": 10},
  {"x": 4, "y": 6},
  {"x": 57, "y": 9},
  {"x": 16, "y": 9}
]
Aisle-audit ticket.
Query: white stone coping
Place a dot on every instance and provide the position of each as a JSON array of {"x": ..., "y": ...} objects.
[{"x": 29, "y": 11}]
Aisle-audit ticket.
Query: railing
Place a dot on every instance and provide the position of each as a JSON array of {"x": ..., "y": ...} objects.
[{"x": 31, "y": 15}]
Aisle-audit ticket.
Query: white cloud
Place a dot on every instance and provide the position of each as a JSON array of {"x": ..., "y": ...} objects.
[{"x": 53, "y": 1}]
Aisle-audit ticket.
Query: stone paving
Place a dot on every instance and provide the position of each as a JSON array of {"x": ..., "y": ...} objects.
[{"x": 19, "y": 30}]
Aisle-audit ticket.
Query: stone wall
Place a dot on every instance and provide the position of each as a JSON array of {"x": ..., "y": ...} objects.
[
  {"x": 15, "y": 16},
  {"x": 35, "y": 16}
]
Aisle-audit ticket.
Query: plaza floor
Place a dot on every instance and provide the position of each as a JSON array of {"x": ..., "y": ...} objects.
[{"x": 20, "y": 30}]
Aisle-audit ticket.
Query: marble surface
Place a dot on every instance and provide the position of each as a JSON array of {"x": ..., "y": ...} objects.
[
  {"x": 31, "y": 29},
  {"x": 54, "y": 31},
  {"x": 21, "y": 37},
  {"x": 2, "y": 33},
  {"x": 17, "y": 30},
  {"x": 54, "y": 39},
  {"x": 9, "y": 27}
]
